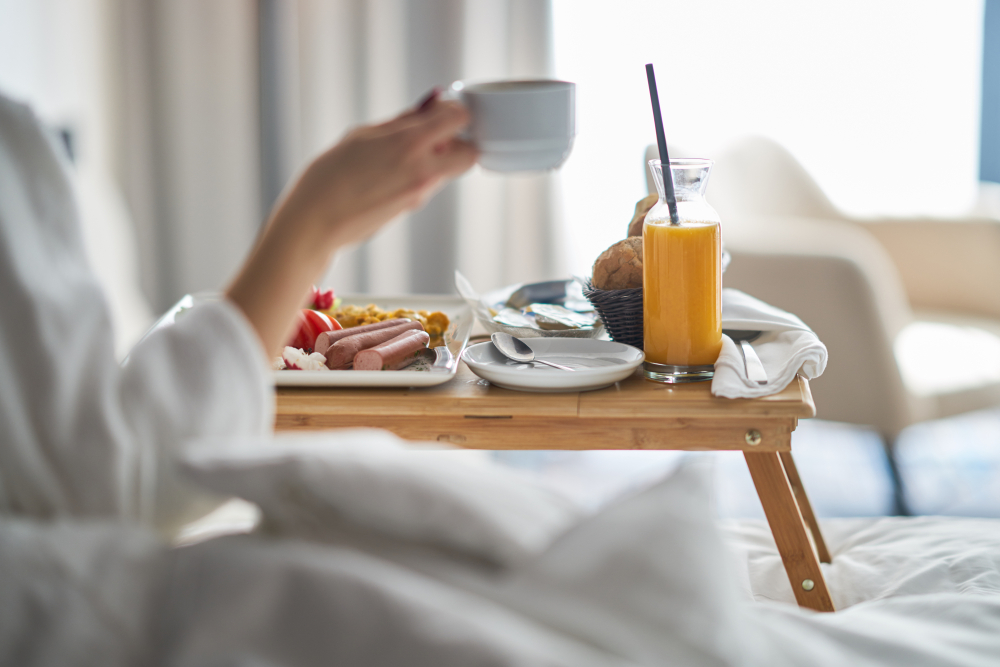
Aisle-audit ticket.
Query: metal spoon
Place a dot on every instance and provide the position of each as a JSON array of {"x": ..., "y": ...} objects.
[
  {"x": 517, "y": 350},
  {"x": 755, "y": 369}
]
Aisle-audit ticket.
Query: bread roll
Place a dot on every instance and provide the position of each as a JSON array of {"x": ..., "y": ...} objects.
[
  {"x": 620, "y": 266},
  {"x": 641, "y": 209}
]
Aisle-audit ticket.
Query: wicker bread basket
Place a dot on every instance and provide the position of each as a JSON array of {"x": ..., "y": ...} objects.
[{"x": 621, "y": 311}]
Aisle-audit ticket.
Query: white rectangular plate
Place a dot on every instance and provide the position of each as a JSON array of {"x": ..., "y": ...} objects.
[{"x": 456, "y": 338}]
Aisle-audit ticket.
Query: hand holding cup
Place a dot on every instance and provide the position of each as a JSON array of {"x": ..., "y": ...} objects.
[{"x": 524, "y": 125}]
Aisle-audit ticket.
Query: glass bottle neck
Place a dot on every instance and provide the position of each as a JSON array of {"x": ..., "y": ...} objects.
[{"x": 690, "y": 178}]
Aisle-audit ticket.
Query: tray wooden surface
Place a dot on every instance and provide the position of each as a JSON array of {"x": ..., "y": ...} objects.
[{"x": 632, "y": 414}]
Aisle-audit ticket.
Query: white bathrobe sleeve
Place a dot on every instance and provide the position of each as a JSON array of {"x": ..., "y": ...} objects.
[{"x": 80, "y": 435}]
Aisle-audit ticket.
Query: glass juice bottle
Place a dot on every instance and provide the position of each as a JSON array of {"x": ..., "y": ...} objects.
[{"x": 682, "y": 279}]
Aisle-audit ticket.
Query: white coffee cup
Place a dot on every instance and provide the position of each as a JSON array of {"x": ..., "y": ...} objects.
[{"x": 525, "y": 125}]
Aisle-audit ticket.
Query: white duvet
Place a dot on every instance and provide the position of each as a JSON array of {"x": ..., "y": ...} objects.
[
  {"x": 648, "y": 580},
  {"x": 439, "y": 563}
]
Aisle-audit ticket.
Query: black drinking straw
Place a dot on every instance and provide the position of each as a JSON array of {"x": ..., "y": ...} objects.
[{"x": 661, "y": 142}]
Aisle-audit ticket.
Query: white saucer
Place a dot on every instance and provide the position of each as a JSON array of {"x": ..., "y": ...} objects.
[{"x": 600, "y": 363}]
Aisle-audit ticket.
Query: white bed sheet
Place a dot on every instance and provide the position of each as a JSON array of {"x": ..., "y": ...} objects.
[
  {"x": 909, "y": 591},
  {"x": 877, "y": 558}
]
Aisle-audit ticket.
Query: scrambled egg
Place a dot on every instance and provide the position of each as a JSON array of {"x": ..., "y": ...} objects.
[{"x": 435, "y": 324}]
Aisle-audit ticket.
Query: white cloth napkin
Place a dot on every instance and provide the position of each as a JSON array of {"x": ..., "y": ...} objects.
[{"x": 786, "y": 347}]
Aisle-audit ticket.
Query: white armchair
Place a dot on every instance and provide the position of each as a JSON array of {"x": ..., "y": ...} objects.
[{"x": 908, "y": 308}]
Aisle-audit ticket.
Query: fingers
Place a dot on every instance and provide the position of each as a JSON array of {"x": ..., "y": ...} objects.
[
  {"x": 440, "y": 121},
  {"x": 428, "y": 100},
  {"x": 414, "y": 153},
  {"x": 419, "y": 108},
  {"x": 431, "y": 122},
  {"x": 427, "y": 172},
  {"x": 455, "y": 157},
  {"x": 432, "y": 130}
]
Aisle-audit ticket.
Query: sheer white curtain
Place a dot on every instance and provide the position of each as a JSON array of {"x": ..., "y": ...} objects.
[
  {"x": 56, "y": 56},
  {"x": 193, "y": 115},
  {"x": 364, "y": 60},
  {"x": 188, "y": 137}
]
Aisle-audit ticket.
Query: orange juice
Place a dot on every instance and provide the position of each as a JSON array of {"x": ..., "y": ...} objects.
[{"x": 682, "y": 292}]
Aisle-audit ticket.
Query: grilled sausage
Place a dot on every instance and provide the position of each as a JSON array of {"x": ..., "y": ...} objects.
[
  {"x": 328, "y": 338},
  {"x": 393, "y": 354},
  {"x": 341, "y": 354}
]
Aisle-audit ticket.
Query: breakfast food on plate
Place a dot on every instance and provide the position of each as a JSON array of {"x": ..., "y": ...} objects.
[
  {"x": 294, "y": 359},
  {"x": 323, "y": 300},
  {"x": 435, "y": 323},
  {"x": 545, "y": 307},
  {"x": 311, "y": 323},
  {"x": 393, "y": 354},
  {"x": 328, "y": 338},
  {"x": 620, "y": 266},
  {"x": 342, "y": 353},
  {"x": 552, "y": 317}
]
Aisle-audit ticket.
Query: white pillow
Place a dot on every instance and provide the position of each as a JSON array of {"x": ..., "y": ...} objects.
[
  {"x": 647, "y": 578},
  {"x": 311, "y": 485}
]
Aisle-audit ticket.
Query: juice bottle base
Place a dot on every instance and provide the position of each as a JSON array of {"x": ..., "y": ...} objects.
[{"x": 669, "y": 374}]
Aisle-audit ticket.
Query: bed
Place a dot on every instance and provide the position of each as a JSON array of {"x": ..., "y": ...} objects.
[{"x": 369, "y": 551}]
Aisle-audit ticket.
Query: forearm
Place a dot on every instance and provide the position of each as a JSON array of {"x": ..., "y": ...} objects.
[
  {"x": 274, "y": 282},
  {"x": 343, "y": 197}
]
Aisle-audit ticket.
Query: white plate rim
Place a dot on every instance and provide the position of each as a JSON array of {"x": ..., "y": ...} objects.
[{"x": 543, "y": 380}]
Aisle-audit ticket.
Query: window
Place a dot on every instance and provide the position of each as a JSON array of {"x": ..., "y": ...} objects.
[{"x": 879, "y": 101}]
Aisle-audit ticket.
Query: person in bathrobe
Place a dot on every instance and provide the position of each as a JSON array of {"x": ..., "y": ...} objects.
[
  {"x": 81, "y": 436},
  {"x": 88, "y": 489}
]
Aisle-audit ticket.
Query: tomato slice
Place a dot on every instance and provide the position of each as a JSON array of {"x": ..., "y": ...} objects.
[{"x": 311, "y": 324}]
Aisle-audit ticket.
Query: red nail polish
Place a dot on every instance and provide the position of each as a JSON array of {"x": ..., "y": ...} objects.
[{"x": 429, "y": 99}]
